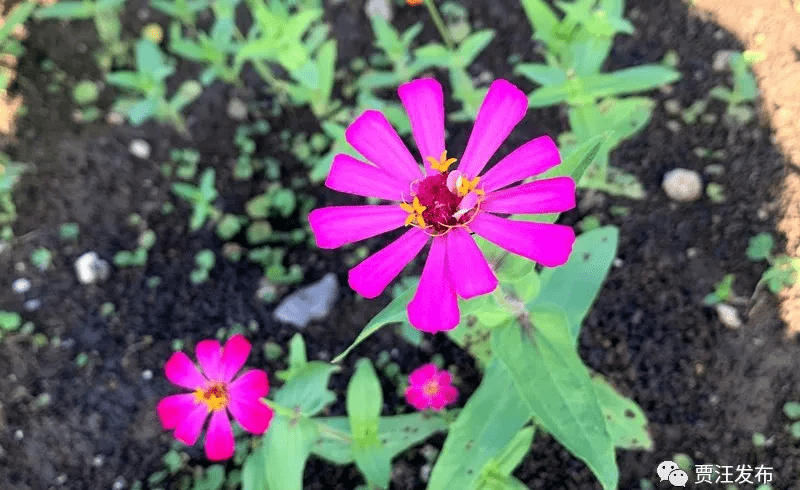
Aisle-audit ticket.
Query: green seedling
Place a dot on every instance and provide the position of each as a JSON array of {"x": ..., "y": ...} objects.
[
  {"x": 10, "y": 321},
  {"x": 715, "y": 192},
  {"x": 215, "y": 50},
  {"x": 184, "y": 11},
  {"x": 85, "y": 92},
  {"x": 10, "y": 173},
  {"x": 782, "y": 271},
  {"x": 107, "y": 309},
  {"x": 204, "y": 262},
  {"x": 138, "y": 256},
  {"x": 229, "y": 226},
  {"x": 200, "y": 197},
  {"x": 148, "y": 83},
  {"x": 106, "y": 17},
  {"x": 42, "y": 258},
  {"x": 276, "y": 200},
  {"x": 723, "y": 291},
  {"x": 186, "y": 160},
  {"x": 744, "y": 90},
  {"x": 792, "y": 410},
  {"x": 397, "y": 50},
  {"x": 576, "y": 47},
  {"x": 69, "y": 232}
]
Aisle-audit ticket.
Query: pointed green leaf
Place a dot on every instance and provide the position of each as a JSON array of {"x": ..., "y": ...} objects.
[
  {"x": 555, "y": 384},
  {"x": 471, "y": 47},
  {"x": 488, "y": 422},
  {"x": 393, "y": 313},
  {"x": 575, "y": 285},
  {"x": 284, "y": 451},
  {"x": 629, "y": 80},
  {"x": 625, "y": 420}
]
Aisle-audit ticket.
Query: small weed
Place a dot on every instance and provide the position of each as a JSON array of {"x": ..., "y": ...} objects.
[{"x": 204, "y": 262}]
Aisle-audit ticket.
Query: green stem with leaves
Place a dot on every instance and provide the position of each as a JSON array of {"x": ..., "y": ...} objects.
[
  {"x": 437, "y": 20},
  {"x": 323, "y": 429}
]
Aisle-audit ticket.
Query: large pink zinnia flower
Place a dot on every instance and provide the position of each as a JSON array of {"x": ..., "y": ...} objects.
[
  {"x": 215, "y": 391},
  {"x": 442, "y": 204}
]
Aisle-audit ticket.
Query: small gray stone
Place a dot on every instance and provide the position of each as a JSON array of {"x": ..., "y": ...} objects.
[
  {"x": 721, "y": 59},
  {"x": 237, "y": 110},
  {"x": 379, "y": 8},
  {"x": 682, "y": 185},
  {"x": 90, "y": 268},
  {"x": 672, "y": 106},
  {"x": 139, "y": 149},
  {"x": 32, "y": 304},
  {"x": 312, "y": 302},
  {"x": 728, "y": 315},
  {"x": 21, "y": 285}
]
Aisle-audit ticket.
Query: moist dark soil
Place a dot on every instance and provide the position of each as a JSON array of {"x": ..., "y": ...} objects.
[{"x": 705, "y": 388}]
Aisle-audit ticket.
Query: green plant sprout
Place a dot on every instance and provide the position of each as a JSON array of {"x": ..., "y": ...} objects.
[
  {"x": 138, "y": 256},
  {"x": 397, "y": 48},
  {"x": 723, "y": 291},
  {"x": 42, "y": 258},
  {"x": 782, "y": 271},
  {"x": 85, "y": 93},
  {"x": 204, "y": 261},
  {"x": 184, "y": 11},
  {"x": 105, "y": 14},
  {"x": 201, "y": 198},
  {"x": 575, "y": 48},
  {"x": 8, "y": 45},
  {"x": 10, "y": 173},
  {"x": 149, "y": 82},
  {"x": 744, "y": 90}
]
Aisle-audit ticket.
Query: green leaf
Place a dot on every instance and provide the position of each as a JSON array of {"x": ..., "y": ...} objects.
[
  {"x": 394, "y": 312},
  {"x": 625, "y": 420},
  {"x": 213, "y": 478},
  {"x": 760, "y": 247},
  {"x": 307, "y": 391},
  {"x": 792, "y": 410},
  {"x": 397, "y": 434},
  {"x": 126, "y": 79},
  {"x": 149, "y": 57},
  {"x": 555, "y": 384},
  {"x": 18, "y": 15},
  {"x": 541, "y": 74},
  {"x": 364, "y": 402},
  {"x": 470, "y": 48},
  {"x": 282, "y": 457},
  {"x": 511, "y": 455},
  {"x": 490, "y": 419},
  {"x": 480, "y": 315},
  {"x": 142, "y": 111},
  {"x": 629, "y": 80},
  {"x": 10, "y": 320},
  {"x": 66, "y": 10},
  {"x": 575, "y": 285},
  {"x": 576, "y": 163},
  {"x": 544, "y": 23}
]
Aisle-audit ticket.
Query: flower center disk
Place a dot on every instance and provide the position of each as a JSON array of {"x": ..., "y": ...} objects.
[{"x": 215, "y": 396}]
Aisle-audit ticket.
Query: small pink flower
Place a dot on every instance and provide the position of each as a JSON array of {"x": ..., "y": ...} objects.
[
  {"x": 444, "y": 206},
  {"x": 215, "y": 392},
  {"x": 430, "y": 388}
]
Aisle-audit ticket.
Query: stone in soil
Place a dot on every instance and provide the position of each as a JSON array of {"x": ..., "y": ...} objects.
[
  {"x": 312, "y": 302},
  {"x": 682, "y": 185},
  {"x": 90, "y": 268}
]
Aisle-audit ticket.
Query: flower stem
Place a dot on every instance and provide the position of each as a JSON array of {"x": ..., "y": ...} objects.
[{"x": 437, "y": 19}]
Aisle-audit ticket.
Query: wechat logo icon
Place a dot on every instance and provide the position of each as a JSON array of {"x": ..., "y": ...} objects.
[{"x": 668, "y": 470}]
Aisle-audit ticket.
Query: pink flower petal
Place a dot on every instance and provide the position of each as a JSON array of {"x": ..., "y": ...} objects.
[
  {"x": 538, "y": 197},
  {"x": 435, "y": 306},
  {"x": 338, "y": 225},
  {"x": 188, "y": 430},
  {"x": 181, "y": 371},
  {"x": 504, "y": 106},
  {"x": 422, "y": 374},
  {"x": 219, "y": 439},
  {"x": 373, "y": 274},
  {"x": 234, "y": 355},
  {"x": 209, "y": 355},
  {"x": 372, "y": 136},
  {"x": 362, "y": 179},
  {"x": 249, "y": 386},
  {"x": 416, "y": 398},
  {"x": 532, "y": 158},
  {"x": 253, "y": 415},
  {"x": 172, "y": 409},
  {"x": 469, "y": 272},
  {"x": 444, "y": 378},
  {"x": 424, "y": 103},
  {"x": 445, "y": 396},
  {"x": 545, "y": 243}
]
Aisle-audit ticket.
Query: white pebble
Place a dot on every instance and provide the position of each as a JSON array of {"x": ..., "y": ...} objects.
[
  {"x": 139, "y": 149},
  {"x": 18, "y": 434},
  {"x": 21, "y": 285},
  {"x": 721, "y": 59},
  {"x": 682, "y": 185},
  {"x": 237, "y": 110},
  {"x": 312, "y": 302},
  {"x": 90, "y": 268},
  {"x": 728, "y": 315},
  {"x": 119, "y": 483},
  {"x": 379, "y": 8},
  {"x": 147, "y": 375},
  {"x": 32, "y": 304}
]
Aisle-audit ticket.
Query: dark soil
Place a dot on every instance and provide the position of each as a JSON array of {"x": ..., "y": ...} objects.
[{"x": 704, "y": 387}]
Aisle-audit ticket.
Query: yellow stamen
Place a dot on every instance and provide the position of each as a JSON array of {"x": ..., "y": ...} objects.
[
  {"x": 431, "y": 388},
  {"x": 415, "y": 210},
  {"x": 464, "y": 186},
  {"x": 443, "y": 163},
  {"x": 214, "y": 396}
]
